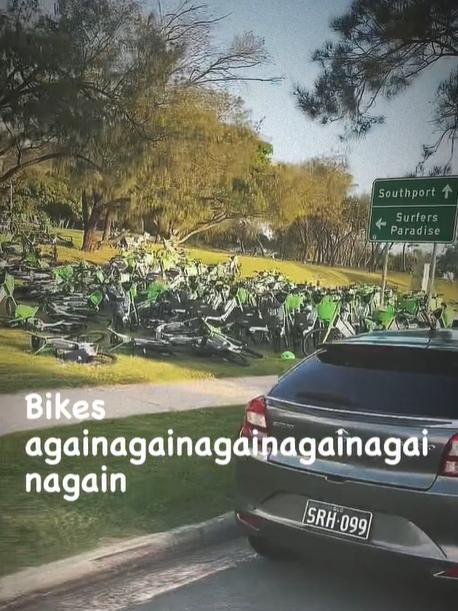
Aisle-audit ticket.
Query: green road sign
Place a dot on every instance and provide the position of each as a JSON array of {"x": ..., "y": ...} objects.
[{"x": 414, "y": 210}]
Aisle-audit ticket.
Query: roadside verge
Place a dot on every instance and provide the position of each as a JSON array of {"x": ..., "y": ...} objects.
[{"x": 92, "y": 566}]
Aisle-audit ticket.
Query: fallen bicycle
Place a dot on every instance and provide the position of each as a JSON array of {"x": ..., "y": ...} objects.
[{"x": 75, "y": 349}]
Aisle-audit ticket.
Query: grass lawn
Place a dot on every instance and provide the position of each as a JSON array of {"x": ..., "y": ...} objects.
[
  {"x": 161, "y": 494},
  {"x": 20, "y": 370},
  {"x": 298, "y": 272}
]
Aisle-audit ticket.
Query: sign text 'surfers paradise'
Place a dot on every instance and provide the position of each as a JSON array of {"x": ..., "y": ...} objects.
[{"x": 414, "y": 210}]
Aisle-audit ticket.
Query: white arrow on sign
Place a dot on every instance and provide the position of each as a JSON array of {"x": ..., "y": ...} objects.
[
  {"x": 447, "y": 190},
  {"x": 380, "y": 223}
]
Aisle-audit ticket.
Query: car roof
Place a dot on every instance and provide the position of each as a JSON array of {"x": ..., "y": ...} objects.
[{"x": 437, "y": 339}]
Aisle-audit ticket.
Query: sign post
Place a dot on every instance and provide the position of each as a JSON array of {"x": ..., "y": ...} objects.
[
  {"x": 384, "y": 272},
  {"x": 425, "y": 277},
  {"x": 432, "y": 273},
  {"x": 413, "y": 210}
]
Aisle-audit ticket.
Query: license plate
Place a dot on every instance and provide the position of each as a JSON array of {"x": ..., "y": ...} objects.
[{"x": 338, "y": 519}]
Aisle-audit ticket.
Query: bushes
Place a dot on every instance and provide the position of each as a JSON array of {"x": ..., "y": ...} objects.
[{"x": 43, "y": 195}]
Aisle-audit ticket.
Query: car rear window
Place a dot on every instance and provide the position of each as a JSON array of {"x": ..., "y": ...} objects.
[{"x": 379, "y": 379}]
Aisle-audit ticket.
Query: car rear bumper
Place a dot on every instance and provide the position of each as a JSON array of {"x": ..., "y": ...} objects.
[{"x": 419, "y": 525}]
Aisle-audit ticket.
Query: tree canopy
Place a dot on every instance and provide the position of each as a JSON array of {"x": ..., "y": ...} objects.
[
  {"x": 96, "y": 63},
  {"x": 113, "y": 114},
  {"x": 207, "y": 172},
  {"x": 92, "y": 87},
  {"x": 381, "y": 47}
]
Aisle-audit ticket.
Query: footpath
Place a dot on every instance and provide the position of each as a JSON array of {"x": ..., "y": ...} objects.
[{"x": 136, "y": 399}]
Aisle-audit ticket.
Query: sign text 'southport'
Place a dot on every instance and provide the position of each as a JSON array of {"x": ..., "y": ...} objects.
[{"x": 414, "y": 210}]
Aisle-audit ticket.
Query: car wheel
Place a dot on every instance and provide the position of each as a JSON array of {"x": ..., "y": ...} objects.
[{"x": 269, "y": 550}]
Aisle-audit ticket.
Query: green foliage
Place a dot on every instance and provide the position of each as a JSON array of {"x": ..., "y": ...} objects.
[
  {"x": 126, "y": 111},
  {"x": 208, "y": 171},
  {"x": 316, "y": 188},
  {"x": 65, "y": 77},
  {"x": 94, "y": 88},
  {"x": 43, "y": 194},
  {"x": 381, "y": 48},
  {"x": 448, "y": 262}
]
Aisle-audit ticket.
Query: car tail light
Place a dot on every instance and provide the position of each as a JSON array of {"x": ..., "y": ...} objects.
[
  {"x": 255, "y": 418},
  {"x": 450, "y": 461},
  {"x": 448, "y": 574},
  {"x": 248, "y": 519}
]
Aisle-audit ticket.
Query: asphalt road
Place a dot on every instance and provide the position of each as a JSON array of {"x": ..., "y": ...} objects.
[{"x": 232, "y": 578}]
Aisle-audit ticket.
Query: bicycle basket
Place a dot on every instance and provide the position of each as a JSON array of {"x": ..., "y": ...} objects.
[
  {"x": 242, "y": 295},
  {"x": 95, "y": 298},
  {"x": 24, "y": 312},
  {"x": 64, "y": 273},
  {"x": 327, "y": 309},
  {"x": 409, "y": 305},
  {"x": 155, "y": 289},
  {"x": 293, "y": 302},
  {"x": 384, "y": 316},
  {"x": 9, "y": 283}
]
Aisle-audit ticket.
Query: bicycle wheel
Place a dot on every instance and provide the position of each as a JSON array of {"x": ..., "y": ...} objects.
[
  {"x": 92, "y": 337},
  {"x": 37, "y": 342},
  {"x": 114, "y": 340},
  {"x": 252, "y": 353},
  {"x": 257, "y": 337},
  {"x": 279, "y": 341},
  {"x": 156, "y": 351},
  {"x": 134, "y": 325},
  {"x": 236, "y": 357},
  {"x": 335, "y": 335},
  {"x": 296, "y": 341},
  {"x": 73, "y": 328},
  {"x": 118, "y": 324},
  {"x": 402, "y": 321},
  {"x": 103, "y": 358},
  {"x": 312, "y": 340}
]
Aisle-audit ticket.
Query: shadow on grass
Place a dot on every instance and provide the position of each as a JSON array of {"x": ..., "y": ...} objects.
[{"x": 20, "y": 370}]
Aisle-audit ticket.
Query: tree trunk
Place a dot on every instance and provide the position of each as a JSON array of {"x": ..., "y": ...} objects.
[
  {"x": 107, "y": 225},
  {"x": 263, "y": 252},
  {"x": 85, "y": 208},
  {"x": 302, "y": 228},
  {"x": 93, "y": 219}
]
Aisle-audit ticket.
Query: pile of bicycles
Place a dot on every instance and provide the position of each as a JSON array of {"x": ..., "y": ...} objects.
[{"x": 163, "y": 303}]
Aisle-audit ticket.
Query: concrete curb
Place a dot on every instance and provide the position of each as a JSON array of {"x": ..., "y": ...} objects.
[{"x": 27, "y": 584}]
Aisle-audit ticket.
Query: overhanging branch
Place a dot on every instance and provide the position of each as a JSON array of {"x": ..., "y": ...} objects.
[{"x": 20, "y": 167}]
